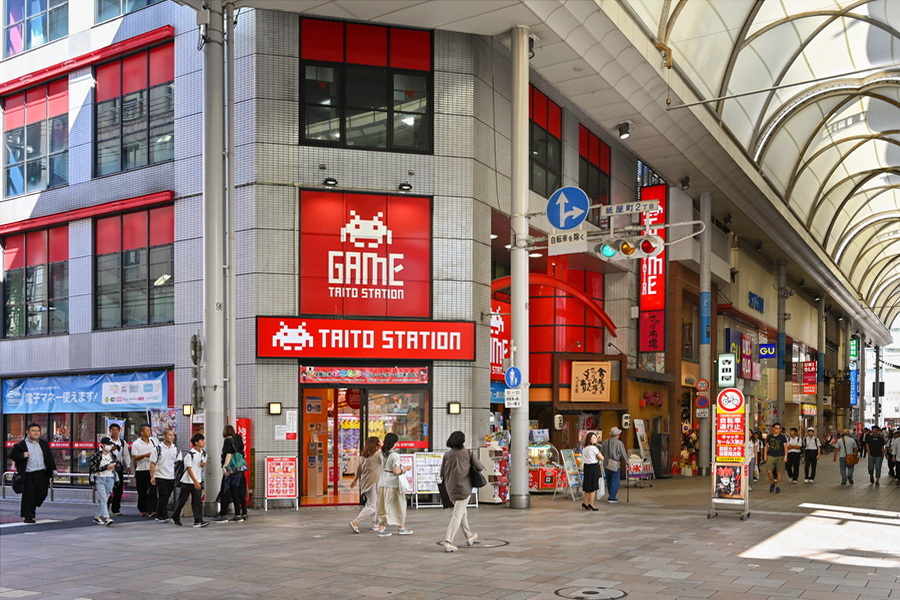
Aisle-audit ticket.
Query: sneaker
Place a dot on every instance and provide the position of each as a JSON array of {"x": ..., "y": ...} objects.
[
  {"x": 843, "y": 483},
  {"x": 771, "y": 488},
  {"x": 405, "y": 531},
  {"x": 176, "y": 523},
  {"x": 108, "y": 522},
  {"x": 812, "y": 480},
  {"x": 871, "y": 480},
  {"x": 384, "y": 533},
  {"x": 471, "y": 540},
  {"x": 201, "y": 524},
  {"x": 98, "y": 519},
  {"x": 777, "y": 490},
  {"x": 118, "y": 514},
  {"x": 164, "y": 521},
  {"x": 850, "y": 479},
  {"x": 236, "y": 519},
  {"x": 354, "y": 527},
  {"x": 220, "y": 519},
  {"x": 448, "y": 547},
  {"x": 613, "y": 501},
  {"x": 29, "y": 519},
  {"x": 376, "y": 528},
  {"x": 878, "y": 483},
  {"x": 244, "y": 517},
  {"x": 794, "y": 481}
]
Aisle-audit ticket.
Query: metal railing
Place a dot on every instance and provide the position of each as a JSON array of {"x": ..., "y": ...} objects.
[{"x": 6, "y": 479}]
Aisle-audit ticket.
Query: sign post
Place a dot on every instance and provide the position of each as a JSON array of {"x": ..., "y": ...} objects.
[{"x": 730, "y": 478}]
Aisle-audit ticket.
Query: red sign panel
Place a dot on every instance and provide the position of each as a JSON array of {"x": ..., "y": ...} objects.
[
  {"x": 653, "y": 277},
  {"x": 364, "y": 375},
  {"x": 731, "y": 425},
  {"x": 810, "y": 370},
  {"x": 501, "y": 335},
  {"x": 365, "y": 254},
  {"x": 281, "y": 477},
  {"x": 244, "y": 428},
  {"x": 284, "y": 337},
  {"x": 809, "y": 389},
  {"x": 746, "y": 356}
]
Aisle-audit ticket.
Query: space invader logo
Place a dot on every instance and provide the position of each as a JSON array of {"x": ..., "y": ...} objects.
[
  {"x": 366, "y": 232},
  {"x": 377, "y": 273},
  {"x": 293, "y": 338}
]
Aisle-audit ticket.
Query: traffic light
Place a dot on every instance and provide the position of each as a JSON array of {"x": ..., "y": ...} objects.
[{"x": 624, "y": 248}]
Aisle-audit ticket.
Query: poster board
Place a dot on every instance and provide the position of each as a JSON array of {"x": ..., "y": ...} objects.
[
  {"x": 730, "y": 474},
  {"x": 640, "y": 432},
  {"x": 590, "y": 381},
  {"x": 281, "y": 479},
  {"x": 427, "y": 471}
]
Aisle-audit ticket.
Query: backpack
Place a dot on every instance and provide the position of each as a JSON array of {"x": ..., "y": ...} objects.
[{"x": 178, "y": 467}]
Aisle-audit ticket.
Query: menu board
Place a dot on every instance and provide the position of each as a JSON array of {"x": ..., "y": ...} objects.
[
  {"x": 573, "y": 475},
  {"x": 427, "y": 472},
  {"x": 281, "y": 477}
]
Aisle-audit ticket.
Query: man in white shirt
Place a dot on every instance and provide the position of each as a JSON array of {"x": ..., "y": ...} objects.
[
  {"x": 794, "y": 447},
  {"x": 141, "y": 450},
  {"x": 812, "y": 450},
  {"x": 192, "y": 482},
  {"x": 162, "y": 473},
  {"x": 120, "y": 447}
]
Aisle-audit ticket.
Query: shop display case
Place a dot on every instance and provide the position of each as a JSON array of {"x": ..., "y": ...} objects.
[
  {"x": 495, "y": 459},
  {"x": 543, "y": 468}
]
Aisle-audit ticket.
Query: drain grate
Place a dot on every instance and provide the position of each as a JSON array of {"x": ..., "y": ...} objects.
[
  {"x": 481, "y": 543},
  {"x": 590, "y": 593}
]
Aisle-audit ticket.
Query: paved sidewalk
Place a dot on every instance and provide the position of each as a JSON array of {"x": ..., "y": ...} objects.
[{"x": 820, "y": 541}]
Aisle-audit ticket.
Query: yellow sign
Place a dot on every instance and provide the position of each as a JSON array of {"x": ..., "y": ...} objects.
[{"x": 591, "y": 381}]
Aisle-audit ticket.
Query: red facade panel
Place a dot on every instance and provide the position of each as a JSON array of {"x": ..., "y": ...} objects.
[
  {"x": 107, "y": 235},
  {"x": 539, "y": 100},
  {"x": 134, "y": 73},
  {"x": 162, "y": 64},
  {"x": 367, "y": 45},
  {"x": 604, "y": 158},
  {"x": 14, "y": 251},
  {"x": 14, "y": 111},
  {"x": 594, "y": 150},
  {"x": 59, "y": 244},
  {"x": 109, "y": 83},
  {"x": 35, "y": 248},
  {"x": 321, "y": 40},
  {"x": 410, "y": 49},
  {"x": 583, "y": 141},
  {"x": 554, "y": 119},
  {"x": 36, "y": 105},
  {"x": 134, "y": 230},
  {"x": 58, "y": 95},
  {"x": 162, "y": 225}
]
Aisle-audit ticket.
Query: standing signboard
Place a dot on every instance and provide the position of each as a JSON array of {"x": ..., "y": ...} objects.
[
  {"x": 730, "y": 477},
  {"x": 281, "y": 479}
]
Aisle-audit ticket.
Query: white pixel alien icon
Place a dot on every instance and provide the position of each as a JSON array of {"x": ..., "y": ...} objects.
[
  {"x": 361, "y": 231},
  {"x": 292, "y": 338},
  {"x": 497, "y": 325}
]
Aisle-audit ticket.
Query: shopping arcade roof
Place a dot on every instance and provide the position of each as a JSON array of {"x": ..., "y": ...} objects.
[{"x": 812, "y": 170}]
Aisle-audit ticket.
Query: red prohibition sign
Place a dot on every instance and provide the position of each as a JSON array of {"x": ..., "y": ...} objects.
[
  {"x": 702, "y": 385},
  {"x": 730, "y": 400}
]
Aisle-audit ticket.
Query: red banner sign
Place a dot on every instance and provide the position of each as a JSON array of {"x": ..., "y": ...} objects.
[
  {"x": 810, "y": 370},
  {"x": 653, "y": 277},
  {"x": 501, "y": 334},
  {"x": 281, "y": 477},
  {"x": 284, "y": 337},
  {"x": 364, "y": 375},
  {"x": 244, "y": 428},
  {"x": 418, "y": 445},
  {"x": 746, "y": 356},
  {"x": 365, "y": 254},
  {"x": 731, "y": 425},
  {"x": 808, "y": 389}
]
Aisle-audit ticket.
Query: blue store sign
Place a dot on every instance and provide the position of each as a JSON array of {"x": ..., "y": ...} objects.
[
  {"x": 113, "y": 392},
  {"x": 498, "y": 391}
]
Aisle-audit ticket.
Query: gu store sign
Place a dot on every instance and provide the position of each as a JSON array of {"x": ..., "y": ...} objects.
[
  {"x": 365, "y": 255},
  {"x": 652, "y": 324}
]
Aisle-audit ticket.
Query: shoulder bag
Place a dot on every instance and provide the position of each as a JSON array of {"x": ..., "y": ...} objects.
[
  {"x": 18, "y": 483},
  {"x": 850, "y": 458},
  {"x": 475, "y": 476}
]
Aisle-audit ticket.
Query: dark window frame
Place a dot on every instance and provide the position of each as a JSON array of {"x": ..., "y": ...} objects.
[
  {"x": 54, "y": 8},
  {"x": 26, "y": 275},
  {"x": 545, "y": 151},
  {"x": 123, "y": 10}
]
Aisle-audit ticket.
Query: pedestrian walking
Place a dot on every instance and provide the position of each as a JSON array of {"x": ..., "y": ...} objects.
[
  {"x": 846, "y": 447},
  {"x": 192, "y": 482},
  {"x": 455, "y": 469},
  {"x": 812, "y": 450},
  {"x": 895, "y": 453},
  {"x": 861, "y": 440},
  {"x": 123, "y": 454},
  {"x": 367, "y": 474},
  {"x": 141, "y": 450},
  {"x": 391, "y": 499},
  {"x": 162, "y": 473},
  {"x": 35, "y": 466},
  {"x": 774, "y": 451},
  {"x": 590, "y": 458},
  {"x": 104, "y": 473},
  {"x": 794, "y": 452},
  {"x": 615, "y": 459},
  {"x": 234, "y": 476},
  {"x": 875, "y": 450},
  {"x": 756, "y": 440}
]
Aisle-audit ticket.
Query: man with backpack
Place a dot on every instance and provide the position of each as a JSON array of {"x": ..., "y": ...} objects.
[
  {"x": 120, "y": 447},
  {"x": 192, "y": 482},
  {"x": 812, "y": 450},
  {"x": 163, "y": 473}
]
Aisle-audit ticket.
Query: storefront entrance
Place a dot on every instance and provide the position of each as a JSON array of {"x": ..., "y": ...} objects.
[{"x": 335, "y": 424}]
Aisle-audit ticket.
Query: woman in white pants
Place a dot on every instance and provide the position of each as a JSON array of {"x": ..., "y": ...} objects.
[
  {"x": 367, "y": 474},
  {"x": 391, "y": 499},
  {"x": 455, "y": 474}
]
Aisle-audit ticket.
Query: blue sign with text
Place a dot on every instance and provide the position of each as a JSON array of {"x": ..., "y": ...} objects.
[
  {"x": 567, "y": 208},
  {"x": 768, "y": 351},
  {"x": 109, "y": 392},
  {"x": 854, "y": 383}
]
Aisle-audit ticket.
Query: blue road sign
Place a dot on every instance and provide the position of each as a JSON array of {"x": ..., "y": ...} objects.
[
  {"x": 513, "y": 377},
  {"x": 567, "y": 208}
]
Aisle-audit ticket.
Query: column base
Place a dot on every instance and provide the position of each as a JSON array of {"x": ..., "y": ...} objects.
[{"x": 520, "y": 501}]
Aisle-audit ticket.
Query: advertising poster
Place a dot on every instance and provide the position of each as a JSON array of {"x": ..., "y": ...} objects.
[
  {"x": 281, "y": 477},
  {"x": 162, "y": 419},
  {"x": 409, "y": 461},
  {"x": 640, "y": 431},
  {"x": 651, "y": 324},
  {"x": 729, "y": 469},
  {"x": 427, "y": 472},
  {"x": 729, "y": 482},
  {"x": 364, "y": 375},
  {"x": 590, "y": 381},
  {"x": 118, "y": 392}
]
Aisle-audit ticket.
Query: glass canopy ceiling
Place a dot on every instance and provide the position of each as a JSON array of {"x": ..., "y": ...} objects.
[{"x": 827, "y": 137}]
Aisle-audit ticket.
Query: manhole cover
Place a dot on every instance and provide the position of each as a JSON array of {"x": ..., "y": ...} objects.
[
  {"x": 590, "y": 593},
  {"x": 481, "y": 543}
]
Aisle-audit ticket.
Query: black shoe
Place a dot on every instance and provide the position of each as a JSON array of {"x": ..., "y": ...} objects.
[
  {"x": 235, "y": 519},
  {"x": 201, "y": 524},
  {"x": 850, "y": 479},
  {"x": 592, "y": 508},
  {"x": 584, "y": 506},
  {"x": 176, "y": 523},
  {"x": 871, "y": 479},
  {"x": 29, "y": 519},
  {"x": 220, "y": 518}
]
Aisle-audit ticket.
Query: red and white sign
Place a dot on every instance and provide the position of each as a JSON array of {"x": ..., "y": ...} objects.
[
  {"x": 731, "y": 425},
  {"x": 808, "y": 389},
  {"x": 281, "y": 477},
  {"x": 652, "y": 322},
  {"x": 364, "y": 375},
  {"x": 365, "y": 255},
  {"x": 285, "y": 337},
  {"x": 746, "y": 356},
  {"x": 501, "y": 335},
  {"x": 244, "y": 428},
  {"x": 409, "y": 444},
  {"x": 730, "y": 400},
  {"x": 810, "y": 370},
  {"x": 702, "y": 385}
]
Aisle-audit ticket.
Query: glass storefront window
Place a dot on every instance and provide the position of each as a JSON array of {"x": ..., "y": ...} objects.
[{"x": 400, "y": 412}]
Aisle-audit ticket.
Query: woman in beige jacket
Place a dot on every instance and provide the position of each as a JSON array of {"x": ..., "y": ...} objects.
[
  {"x": 455, "y": 474},
  {"x": 367, "y": 475}
]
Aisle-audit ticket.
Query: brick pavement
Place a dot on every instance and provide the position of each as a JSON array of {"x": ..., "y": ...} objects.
[{"x": 820, "y": 541}]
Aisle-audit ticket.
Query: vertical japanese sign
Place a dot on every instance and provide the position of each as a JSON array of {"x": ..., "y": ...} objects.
[
  {"x": 730, "y": 474},
  {"x": 501, "y": 332},
  {"x": 244, "y": 428},
  {"x": 810, "y": 372},
  {"x": 590, "y": 381},
  {"x": 652, "y": 322},
  {"x": 746, "y": 356}
]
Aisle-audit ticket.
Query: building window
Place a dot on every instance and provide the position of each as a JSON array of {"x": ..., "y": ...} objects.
[
  {"x": 593, "y": 170},
  {"x": 36, "y": 282},
  {"x": 134, "y": 274},
  {"x": 135, "y": 111},
  {"x": 33, "y": 23},
  {"x": 647, "y": 177},
  {"x": 365, "y": 86},
  {"x": 110, "y": 9},
  {"x": 546, "y": 143},
  {"x": 36, "y": 130}
]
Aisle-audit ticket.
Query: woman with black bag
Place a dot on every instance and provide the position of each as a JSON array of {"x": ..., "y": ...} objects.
[{"x": 455, "y": 475}]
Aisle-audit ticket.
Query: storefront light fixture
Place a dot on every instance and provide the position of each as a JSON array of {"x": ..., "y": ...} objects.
[
  {"x": 454, "y": 408},
  {"x": 405, "y": 186},
  {"x": 535, "y": 254},
  {"x": 330, "y": 182},
  {"x": 187, "y": 409},
  {"x": 624, "y": 129},
  {"x": 274, "y": 408}
]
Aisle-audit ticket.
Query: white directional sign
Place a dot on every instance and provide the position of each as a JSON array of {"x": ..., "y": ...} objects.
[
  {"x": 567, "y": 207},
  {"x": 513, "y": 398},
  {"x": 629, "y": 208},
  {"x": 567, "y": 242}
]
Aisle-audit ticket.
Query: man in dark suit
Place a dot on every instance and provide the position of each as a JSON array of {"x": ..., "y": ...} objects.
[{"x": 34, "y": 462}]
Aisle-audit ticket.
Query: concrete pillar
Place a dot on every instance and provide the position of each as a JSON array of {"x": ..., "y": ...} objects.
[
  {"x": 706, "y": 440},
  {"x": 820, "y": 371},
  {"x": 782, "y": 351}
]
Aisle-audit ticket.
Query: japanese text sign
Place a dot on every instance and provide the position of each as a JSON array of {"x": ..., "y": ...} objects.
[
  {"x": 652, "y": 304},
  {"x": 590, "y": 381},
  {"x": 112, "y": 392},
  {"x": 281, "y": 477},
  {"x": 501, "y": 334}
]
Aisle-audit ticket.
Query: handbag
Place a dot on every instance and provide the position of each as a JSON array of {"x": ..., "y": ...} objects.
[
  {"x": 446, "y": 502},
  {"x": 237, "y": 463},
  {"x": 475, "y": 476},
  {"x": 850, "y": 458},
  {"x": 405, "y": 485},
  {"x": 18, "y": 483}
]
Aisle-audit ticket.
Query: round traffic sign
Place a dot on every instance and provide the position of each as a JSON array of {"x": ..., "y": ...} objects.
[
  {"x": 513, "y": 377},
  {"x": 702, "y": 385},
  {"x": 730, "y": 400},
  {"x": 567, "y": 208},
  {"x": 702, "y": 401}
]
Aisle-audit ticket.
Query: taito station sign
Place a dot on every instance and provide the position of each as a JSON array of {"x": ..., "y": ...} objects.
[
  {"x": 652, "y": 322},
  {"x": 501, "y": 330}
]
